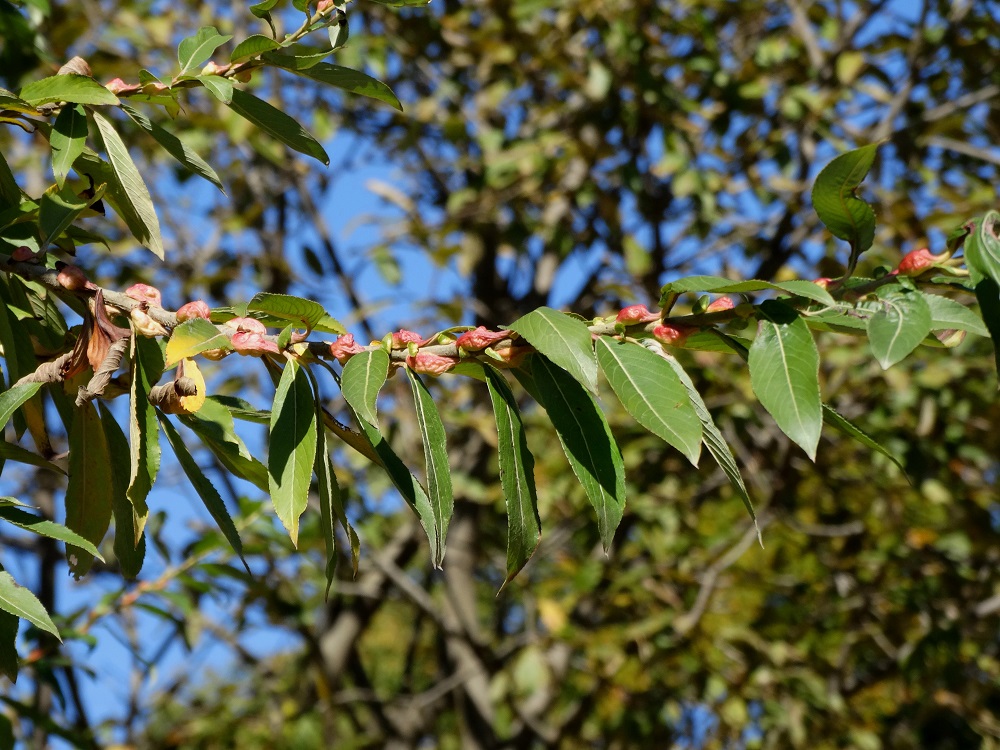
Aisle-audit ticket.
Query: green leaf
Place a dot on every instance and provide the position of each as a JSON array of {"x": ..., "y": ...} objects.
[
  {"x": 262, "y": 9},
  {"x": 43, "y": 527},
  {"x": 131, "y": 195},
  {"x": 586, "y": 440},
  {"x": 175, "y": 147},
  {"x": 784, "y": 373},
  {"x": 988, "y": 297},
  {"x": 130, "y": 543},
  {"x": 402, "y": 3},
  {"x": 345, "y": 78},
  {"x": 88, "y": 501},
  {"x": 339, "y": 31},
  {"x": 899, "y": 326},
  {"x": 564, "y": 340},
  {"x": 252, "y": 46},
  {"x": 10, "y": 193},
  {"x": 362, "y": 379},
  {"x": 144, "y": 438},
  {"x": 840, "y": 422},
  {"x": 652, "y": 393},
  {"x": 213, "y": 423},
  {"x": 284, "y": 307},
  {"x": 292, "y": 447},
  {"x": 67, "y": 139},
  {"x": 948, "y": 314},
  {"x": 713, "y": 438},
  {"x": 408, "y": 487},
  {"x": 834, "y": 196},
  {"x": 14, "y": 452},
  {"x": 8, "y": 668},
  {"x": 221, "y": 88},
  {"x": 57, "y": 210},
  {"x": 296, "y": 57},
  {"x": 982, "y": 247},
  {"x": 277, "y": 124},
  {"x": 438, "y": 473},
  {"x": 192, "y": 337},
  {"x": 195, "y": 50},
  {"x": 720, "y": 285},
  {"x": 20, "y": 602},
  {"x": 241, "y": 409},
  {"x": 205, "y": 489},
  {"x": 68, "y": 87},
  {"x": 517, "y": 476}
]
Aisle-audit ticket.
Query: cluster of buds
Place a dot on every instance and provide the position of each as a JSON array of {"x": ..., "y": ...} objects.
[{"x": 250, "y": 337}]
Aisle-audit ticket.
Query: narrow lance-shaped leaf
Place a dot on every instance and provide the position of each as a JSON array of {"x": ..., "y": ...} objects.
[
  {"x": 347, "y": 79},
  {"x": 57, "y": 210},
  {"x": 711, "y": 435},
  {"x": 586, "y": 440},
  {"x": 721, "y": 285},
  {"x": 277, "y": 124},
  {"x": 8, "y": 666},
  {"x": 836, "y": 202},
  {"x": 67, "y": 139},
  {"x": 130, "y": 542},
  {"x": 205, "y": 489},
  {"x": 564, "y": 340},
  {"x": 411, "y": 490},
  {"x": 362, "y": 379},
  {"x": 285, "y": 307},
  {"x": 19, "y": 601},
  {"x": 144, "y": 437},
  {"x": 292, "y": 447},
  {"x": 896, "y": 329},
  {"x": 44, "y": 527},
  {"x": 128, "y": 189},
  {"x": 88, "y": 502},
  {"x": 652, "y": 393},
  {"x": 840, "y": 422},
  {"x": 213, "y": 423},
  {"x": 438, "y": 473},
  {"x": 12, "y": 398},
  {"x": 252, "y": 46},
  {"x": 517, "y": 476},
  {"x": 221, "y": 88},
  {"x": 175, "y": 147},
  {"x": 14, "y": 452},
  {"x": 784, "y": 373}
]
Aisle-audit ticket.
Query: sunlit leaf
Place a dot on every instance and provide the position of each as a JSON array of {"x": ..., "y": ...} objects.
[
  {"x": 834, "y": 196},
  {"x": 517, "y": 476},
  {"x": 720, "y": 285},
  {"x": 898, "y": 327},
  {"x": 438, "y": 473},
  {"x": 14, "y": 452},
  {"x": 68, "y": 87},
  {"x": 67, "y": 139},
  {"x": 652, "y": 393},
  {"x": 20, "y": 602},
  {"x": 130, "y": 192},
  {"x": 144, "y": 437},
  {"x": 252, "y": 46},
  {"x": 564, "y": 340},
  {"x": 221, "y": 88},
  {"x": 285, "y": 307},
  {"x": 947, "y": 314},
  {"x": 347, "y": 79},
  {"x": 784, "y": 373},
  {"x": 363, "y": 377},
  {"x": 277, "y": 124},
  {"x": 213, "y": 423},
  {"x": 43, "y": 527},
  {"x": 192, "y": 337},
  {"x": 57, "y": 210},
  {"x": 175, "y": 147},
  {"x": 292, "y": 447},
  {"x": 195, "y": 50},
  {"x": 840, "y": 422}
]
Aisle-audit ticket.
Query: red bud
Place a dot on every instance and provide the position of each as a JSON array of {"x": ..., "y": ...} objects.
[
  {"x": 402, "y": 337},
  {"x": 480, "y": 338},
  {"x": 195, "y": 309},
  {"x": 432, "y": 364},
  {"x": 150, "y": 295},
  {"x": 345, "y": 347},
  {"x": 723, "y": 303},
  {"x": 636, "y": 314},
  {"x": 671, "y": 334}
]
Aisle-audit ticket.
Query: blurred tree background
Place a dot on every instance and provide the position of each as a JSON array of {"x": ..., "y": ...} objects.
[{"x": 576, "y": 154}]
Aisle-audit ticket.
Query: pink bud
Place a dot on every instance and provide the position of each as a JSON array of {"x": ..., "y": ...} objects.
[
  {"x": 672, "y": 335},
  {"x": 723, "y": 303},
  {"x": 345, "y": 347},
  {"x": 22, "y": 254},
  {"x": 432, "y": 364},
  {"x": 823, "y": 281},
  {"x": 117, "y": 86},
  {"x": 195, "y": 309},
  {"x": 480, "y": 338},
  {"x": 916, "y": 262},
  {"x": 253, "y": 343},
  {"x": 72, "y": 278},
  {"x": 145, "y": 293},
  {"x": 246, "y": 325},
  {"x": 213, "y": 69},
  {"x": 636, "y": 314},
  {"x": 323, "y": 5},
  {"x": 402, "y": 337}
]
